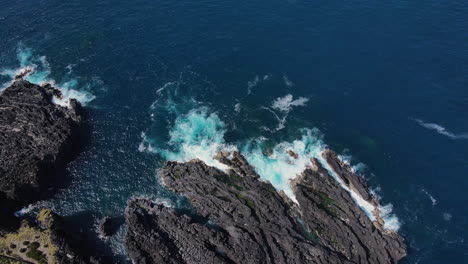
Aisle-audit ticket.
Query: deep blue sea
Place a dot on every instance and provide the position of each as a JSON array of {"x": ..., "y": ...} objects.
[{"x": 384, "y": 83}]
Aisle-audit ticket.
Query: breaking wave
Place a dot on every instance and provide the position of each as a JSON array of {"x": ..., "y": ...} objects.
[
  {"x": 36, "y": 69},
  {"x": 276, "y": 165},
  {"x": 195, "y": 135}
]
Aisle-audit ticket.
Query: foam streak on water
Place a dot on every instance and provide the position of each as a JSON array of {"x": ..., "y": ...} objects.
[{"x": 39, "y": 73}]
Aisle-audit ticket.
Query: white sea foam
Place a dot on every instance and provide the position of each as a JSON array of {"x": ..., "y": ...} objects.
[
  {"x": 279, "y": 168},
  {"x": 195, "y": 135},
  {"x": 281, "y": 120},
  {"x": 284, "y": 105},
  {"x": 251, "y": 84},
  {"x": 433, "y": 200},
  {"x": 38, "y": 71},
  {"x": 346, "y": 158},
  {"x": 25, "y": 210},
  {"x": 166, "y": 86},
  {"x": 391, "y": 221},
  {"x": 440, "y": 129},
  {"x": 287, "y": 102},
  {"x": 447, "y": 216},
  {"x": 287, "y": 81},
  {"x": 266, "y": 77},
  {"x": 237, "y": 107}
]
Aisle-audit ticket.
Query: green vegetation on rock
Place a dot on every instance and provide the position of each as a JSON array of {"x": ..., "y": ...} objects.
[
  {"x": 231, "y": 180},
  {"x": 29, "y": 243},
  {"x": 36, "y": 254}
]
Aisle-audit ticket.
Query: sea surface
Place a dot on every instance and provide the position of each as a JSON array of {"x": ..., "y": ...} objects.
[{"x": 384, "y": 83}]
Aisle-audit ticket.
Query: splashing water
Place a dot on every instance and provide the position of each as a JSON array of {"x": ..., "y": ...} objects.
[
  {"x": 39, "y": 73},
  {"x": 199, "y": 134},
  {"x": 279, "y": 167},
  {"x": 196, "y": 135}
]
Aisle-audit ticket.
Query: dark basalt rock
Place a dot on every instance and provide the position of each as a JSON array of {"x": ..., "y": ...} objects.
[
  {"x": 37, "y": 137},
  {"x": 237, "y": 218},
  {"x": 108, "y": 226}
]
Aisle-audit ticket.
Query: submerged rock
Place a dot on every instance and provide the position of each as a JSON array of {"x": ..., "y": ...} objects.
[
  {"x": 237, "y": 218},
  {"x": 37, "y": 138}
]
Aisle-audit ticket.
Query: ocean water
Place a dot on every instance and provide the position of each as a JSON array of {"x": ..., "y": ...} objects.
[{"x": 385, "y": 84}]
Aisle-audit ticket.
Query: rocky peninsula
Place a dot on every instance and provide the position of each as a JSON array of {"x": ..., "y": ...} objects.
[
  {"x": 237, "y": 218},
  {"x": 37, "y": 139}
]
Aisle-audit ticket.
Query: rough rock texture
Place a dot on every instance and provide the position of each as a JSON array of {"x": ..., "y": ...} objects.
[
  {"x": 237, "y": 218},
  {"x": 37, "y": 137}
]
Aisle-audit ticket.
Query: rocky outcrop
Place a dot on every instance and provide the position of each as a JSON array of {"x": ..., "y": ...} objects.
[
  {"x": 236, "y": 218},
  {"x": 37, "y": 137},
  {"x": 40, "y": 242}
]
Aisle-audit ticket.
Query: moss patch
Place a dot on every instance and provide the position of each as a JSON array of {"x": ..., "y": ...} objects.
[
  {"x": 36, "y": 254},
  {"x": 232, "y": 180},
  {"x": 246, "y": 200},
  {"x": 327, "y": 203}
]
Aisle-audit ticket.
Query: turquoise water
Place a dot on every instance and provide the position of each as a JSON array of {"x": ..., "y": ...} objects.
[{"x": 382, "y": 83}]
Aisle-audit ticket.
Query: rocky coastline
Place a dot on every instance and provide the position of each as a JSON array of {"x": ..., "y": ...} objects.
[
  {"x": 37, "y": 139},
  {"x": 236, "y": 218},
  {"x": 232, "y": 216}
]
